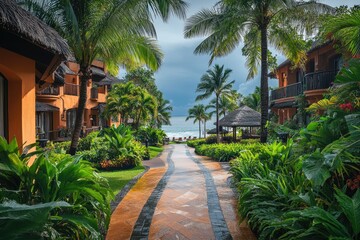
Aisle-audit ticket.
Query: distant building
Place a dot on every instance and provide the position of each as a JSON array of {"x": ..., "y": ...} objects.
[
  {"x": 321, "y": 68},
  {"x": 57, "y": 101}
]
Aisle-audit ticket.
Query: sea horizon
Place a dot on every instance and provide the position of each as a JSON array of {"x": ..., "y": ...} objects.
[{"x": 181, "y": 128}]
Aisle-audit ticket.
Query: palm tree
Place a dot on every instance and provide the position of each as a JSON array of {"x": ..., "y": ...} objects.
[
  {"x": 257, "y": 24},
  {"x": 112, "y": 30},
  {"x": 163, "y": 112},
  {"x": 226, "y": 105},
  {"x": 344, "y": 28},
  {"x": 197, "y": 112},
  {"x": 253, "y": 100},
  {"x": 144, "y": 105},
  {"x": 215, "y": 82}
]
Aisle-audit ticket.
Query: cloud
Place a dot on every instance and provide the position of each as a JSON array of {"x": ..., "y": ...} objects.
[{"x": 181, "y": 70}]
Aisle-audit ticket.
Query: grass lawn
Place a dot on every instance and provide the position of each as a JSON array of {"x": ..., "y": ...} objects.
[
  {"x": 154, "y": 151},
  {"x": 118, "y": 179}
]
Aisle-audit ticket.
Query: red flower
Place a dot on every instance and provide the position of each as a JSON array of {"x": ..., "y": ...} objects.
[{"x": 347, "y": 107}]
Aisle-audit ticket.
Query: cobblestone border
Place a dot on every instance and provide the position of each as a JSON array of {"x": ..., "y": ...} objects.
[
  {"x": 142, "y": 226},
  {"x": 217, "y": 219}
]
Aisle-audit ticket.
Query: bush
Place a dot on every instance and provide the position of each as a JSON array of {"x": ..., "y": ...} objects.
[
  {"x": 85, "y": 143},
  {"x": 52, "y": 198},
  {"x": 154, "y": 136},
  {"x": 211, "y": 139},
  {"x": 225, "y": 152},
  {"x": 195, "y": 142}
]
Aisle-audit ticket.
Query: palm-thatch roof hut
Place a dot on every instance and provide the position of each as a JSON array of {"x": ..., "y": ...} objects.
[
  {"x": 23, "y": 33},
  {"x": 213, "y": 131},
  {"x": 241, "y": 117}
]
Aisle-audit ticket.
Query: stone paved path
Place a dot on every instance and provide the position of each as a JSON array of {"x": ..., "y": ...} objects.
[{"x": 182, "y": 196}]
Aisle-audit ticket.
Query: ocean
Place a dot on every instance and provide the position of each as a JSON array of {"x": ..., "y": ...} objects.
[{"x": 181, "y": 128}]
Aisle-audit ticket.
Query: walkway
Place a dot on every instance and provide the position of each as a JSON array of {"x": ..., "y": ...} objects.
[{"x": 182, "y": 196}]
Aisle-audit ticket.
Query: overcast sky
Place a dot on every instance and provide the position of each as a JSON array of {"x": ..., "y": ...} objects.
[{"x": 181, "y": 69}]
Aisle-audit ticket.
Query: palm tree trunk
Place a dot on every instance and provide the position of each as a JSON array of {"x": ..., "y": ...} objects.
[
  {"x": 204, "y": 128},
  {"x": 199, "y": 129},
  {"x": 217, "y": 120},
  {"x": 264, "y": 91},
  {"x": 84, "y": 78}
]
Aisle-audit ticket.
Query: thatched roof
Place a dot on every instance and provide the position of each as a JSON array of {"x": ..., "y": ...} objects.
[
  {"x": 98, "y": 74},
  {"x": 109, "y": 80},
  {"x": 241, "y": 117},
  {"x": 22, "y": 23},
  {"x": 213, "y": 131},
  {"x": 60, "y": 73}
]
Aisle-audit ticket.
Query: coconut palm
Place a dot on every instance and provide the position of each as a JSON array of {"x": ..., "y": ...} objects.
[
  {"x": 214, "y": 82},
  {"x": 226, "y": 105},
  {"x": 257, "y": 24},
  {"x": 197, "y": 112},
  {"x": 163, "y": 112},
  {"x": 253, "y": 100},
  {"x": 344, "y": 28},
  {"x": 112, "y": 30},
  {"x": 144, "y": 106}
]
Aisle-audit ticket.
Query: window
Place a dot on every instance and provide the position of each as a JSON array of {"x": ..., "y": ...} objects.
[
  {"x": 3, "y": 106},
  {"x": 70, "y": 118}
]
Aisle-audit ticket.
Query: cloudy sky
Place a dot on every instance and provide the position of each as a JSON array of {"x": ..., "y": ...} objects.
[{"x": 181, "y": 69}]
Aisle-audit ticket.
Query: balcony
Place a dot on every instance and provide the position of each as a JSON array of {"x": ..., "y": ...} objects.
[
  {"x": 50, "y": 90},
  {"x": 94, "y": 94},
  {"x": 285, "y": 92},
  {"x": 71, "y": 89},
  {"x": 319, "y": 80}
]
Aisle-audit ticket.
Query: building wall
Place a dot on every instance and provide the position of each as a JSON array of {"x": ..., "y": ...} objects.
[
  {"x": 66, "y": 102},
  {"x": 20, "y": 74}
]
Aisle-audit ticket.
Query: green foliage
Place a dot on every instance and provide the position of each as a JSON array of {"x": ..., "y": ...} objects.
[
  {"x": 85, "y": 143},
  {"x": 195, "y": 142},
  {"x": 119, "y": 178},
  {"x": 119, "y": 138},
  {"x": 63, "y": 195},
  {"x": 224, "y": 152},
  {"x": 152, "y": 135}
]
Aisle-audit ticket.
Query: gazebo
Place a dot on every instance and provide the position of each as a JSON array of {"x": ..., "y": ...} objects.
[
  {"x": 241, "y": 117},
  {"x": 213, "y": 131}
]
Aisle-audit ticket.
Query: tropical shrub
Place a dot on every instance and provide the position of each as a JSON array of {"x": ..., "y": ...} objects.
[
  {"x": 225, "y": 152},
  {"x": 308, "y": 189},
  {"x": 195, "y": 142},
  {"x": 51, "y": 198},
  {"x": 85, "y": 143},
  {"x": 153, "y": 136}
]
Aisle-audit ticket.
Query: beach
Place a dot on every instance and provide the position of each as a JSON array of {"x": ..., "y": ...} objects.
[{"x": 181, "y": 128}]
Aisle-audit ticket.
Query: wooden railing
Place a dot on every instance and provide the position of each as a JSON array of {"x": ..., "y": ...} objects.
[
  {"x": 71, "y": 89},
  {"x": 288, "y": 91},
  {"x": 94, "y": 93},
  {"x": 319, "y": 80},
  {"x": 50, "y": 90}
]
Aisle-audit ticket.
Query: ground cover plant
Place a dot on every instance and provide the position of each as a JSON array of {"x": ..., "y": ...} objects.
[
  {"x": 155, "y": 151},
  {"x": 53, "y": 198},
  {"x": 119, "y": 178}
]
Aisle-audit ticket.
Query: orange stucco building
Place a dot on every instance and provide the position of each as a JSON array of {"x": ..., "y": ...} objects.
[
  {"x": 57, "y": 101},
  {"x": 29, "y": 52},
  {"x": 321, "y": 68}
]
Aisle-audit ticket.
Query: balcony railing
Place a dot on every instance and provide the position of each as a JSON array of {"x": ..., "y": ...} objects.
[
  {"x": 94, "y": 93},
  {"x": 288, "y": 91},
  {"x": 49, "y": 91},
  {"x": 319, "y": 80},
  {"x": 71, "y": 89}
]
